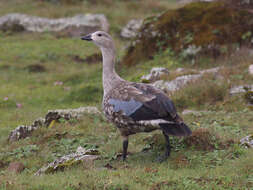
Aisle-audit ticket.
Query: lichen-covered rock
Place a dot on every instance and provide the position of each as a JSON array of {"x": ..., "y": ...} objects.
[
  {"x": 131, "y": 29},
  {"x": 240, "y": 89},
  {"x": 24, "y": 131},
  {"x": 156, "y": 73},
  {"x": 68, "y": 114},
  {"x": 208, "y": 28},
  {"x": 72, "y": 26},
  {"x": 69, "y": 160},
  {"x": 247, "y": 141}
]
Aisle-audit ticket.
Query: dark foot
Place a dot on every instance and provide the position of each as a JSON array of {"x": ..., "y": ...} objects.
[
  {"x": 125, "y": 146},
  {"x": 168, "y": 148},
  {"x": 161, "y": 159}
]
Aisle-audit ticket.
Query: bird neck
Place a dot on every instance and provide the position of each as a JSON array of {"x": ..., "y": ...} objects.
[{"x": 110, "y": 77}]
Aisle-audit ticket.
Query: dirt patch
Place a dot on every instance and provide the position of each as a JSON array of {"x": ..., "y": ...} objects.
[{"x": 36, "y": 68}]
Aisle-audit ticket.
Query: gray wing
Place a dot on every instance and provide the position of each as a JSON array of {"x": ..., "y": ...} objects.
[{"x": 144, "y": 102}]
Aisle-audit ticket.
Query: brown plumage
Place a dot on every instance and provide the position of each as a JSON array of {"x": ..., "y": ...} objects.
[{"x": 135, "y": 107}]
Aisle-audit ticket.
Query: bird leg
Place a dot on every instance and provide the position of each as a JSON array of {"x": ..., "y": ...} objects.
[
  {"x": 167, "y": 151},
  {"x": 125, "y": 146}
]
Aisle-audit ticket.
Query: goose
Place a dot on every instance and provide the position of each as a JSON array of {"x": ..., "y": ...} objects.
[{"x": 134, "y": 107}]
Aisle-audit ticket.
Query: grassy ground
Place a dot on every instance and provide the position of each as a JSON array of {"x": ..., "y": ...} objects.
[{"x": 211, "y": 159}]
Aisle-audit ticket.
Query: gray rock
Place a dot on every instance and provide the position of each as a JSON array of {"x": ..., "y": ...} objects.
[
  {"x": 73, "y": 26},
  {"x": 23, "y": 131},
  {"x": 251, "y": 69},
  {"x": 176, "y": 84},
  {"x": 240, "y": 89},
  {"x": 247, "y": 141},
  {"x": 212, "y": 70},
  {"x": 131, "y": 29},
  {"x": 179, "y": 82},
  {"x": 156, "y": 73},
  {"x": 81, "y": 155}
]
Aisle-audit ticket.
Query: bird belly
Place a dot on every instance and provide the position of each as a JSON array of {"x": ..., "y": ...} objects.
[{"x": 127, "y": 125}]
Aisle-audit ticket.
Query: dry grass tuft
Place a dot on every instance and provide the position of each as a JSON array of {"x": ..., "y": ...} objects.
[{"x": 203, "y": 139}]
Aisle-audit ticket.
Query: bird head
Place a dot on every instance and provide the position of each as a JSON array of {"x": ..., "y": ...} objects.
[{"x": 100, "y": 38}]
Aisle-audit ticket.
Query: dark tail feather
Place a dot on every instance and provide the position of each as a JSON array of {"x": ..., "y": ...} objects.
[{"x": 176, "y": 129}]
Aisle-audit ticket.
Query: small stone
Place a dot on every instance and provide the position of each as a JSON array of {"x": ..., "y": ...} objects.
[
  {"x": 16, "y": 167},
  {"x": 247, "y": 141}
]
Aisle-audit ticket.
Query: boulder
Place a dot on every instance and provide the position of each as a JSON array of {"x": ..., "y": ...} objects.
[
  {"x": 16, "y": 167},
  {"x": 72, "y": 26},
  {"x": 81, "y": 155},
  {"x": 131, "y": 29},
  {"x": 156, "y": 73}
]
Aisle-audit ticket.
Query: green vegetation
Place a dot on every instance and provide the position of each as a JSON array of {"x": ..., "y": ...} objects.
[{"x": 39, "y": 72}]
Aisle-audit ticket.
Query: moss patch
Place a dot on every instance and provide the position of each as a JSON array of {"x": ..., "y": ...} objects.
[{"x": 209, "y": 28}]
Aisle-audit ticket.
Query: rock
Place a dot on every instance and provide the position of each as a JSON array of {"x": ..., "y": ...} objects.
[
  {"x": 247, "y": 141},
  {"x": 131, "y": 29},
  {"x": 251, "y": 69},
  {"x": 63, "y": 162},
  {"x": 68, "y": 114},
  {"x": 240, "y": 89},
  {"x": 176, "y": 84},
  {"x": 72, "y": 26},
  {"x": 181, "y": 81},
  {"x": 24, "y": 131},
  {"x": 212, "y": 70},
  {"x": 156, "y": 73},
  {"x": 16, "y": 167},
  {"x": 180, "y": 70}
]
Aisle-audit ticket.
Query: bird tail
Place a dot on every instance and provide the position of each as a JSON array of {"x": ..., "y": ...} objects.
[{"x": 176, "y": 129}]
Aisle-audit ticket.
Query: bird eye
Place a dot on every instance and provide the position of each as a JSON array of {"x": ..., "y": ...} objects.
[{"x": 99, "y": 35}]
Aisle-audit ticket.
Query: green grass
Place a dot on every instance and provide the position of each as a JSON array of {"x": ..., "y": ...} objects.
[{"x": 228, "y": 118}]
